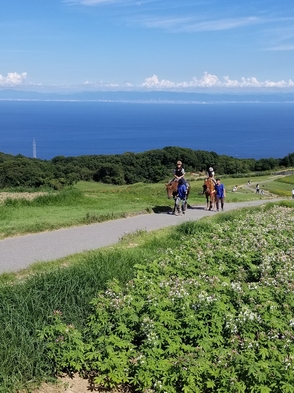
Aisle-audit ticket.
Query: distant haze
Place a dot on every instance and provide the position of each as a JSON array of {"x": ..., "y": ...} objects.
[{"x": 152, "y": 96}]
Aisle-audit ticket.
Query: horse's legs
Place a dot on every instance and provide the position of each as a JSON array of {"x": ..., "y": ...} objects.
[
  {"x": 207, "y": 201},
  {"x": 212, "y": 202},
  {"x": 175, "y": 206}
]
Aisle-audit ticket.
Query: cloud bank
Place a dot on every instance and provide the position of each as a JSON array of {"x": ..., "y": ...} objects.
[
  {"x": 207, "y": 81},
  {"x": 212, "y": 81},
  {"x": 12, "y": 79}
]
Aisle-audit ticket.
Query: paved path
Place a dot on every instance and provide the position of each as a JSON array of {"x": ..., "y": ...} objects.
[{"x": 19, "y": 252}]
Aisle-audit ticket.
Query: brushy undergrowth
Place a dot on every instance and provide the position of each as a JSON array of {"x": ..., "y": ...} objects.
[
  {"x": 27, "y": 301},
  {"x": 28, "y": 298},
  {"x": 214, "y": 315}
]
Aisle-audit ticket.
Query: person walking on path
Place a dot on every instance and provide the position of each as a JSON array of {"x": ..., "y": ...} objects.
[
  {"x": 293, "y": 193},
  {"x": 180, "y": 204},
  {"x": 220, "y": 194}
]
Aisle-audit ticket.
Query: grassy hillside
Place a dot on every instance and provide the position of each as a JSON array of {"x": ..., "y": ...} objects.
[
  {"x": 248, "y": 277},
  {"x": 89, "y": 202}
]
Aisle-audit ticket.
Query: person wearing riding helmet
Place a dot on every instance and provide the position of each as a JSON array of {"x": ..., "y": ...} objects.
[{"x": 179, "y": 171}]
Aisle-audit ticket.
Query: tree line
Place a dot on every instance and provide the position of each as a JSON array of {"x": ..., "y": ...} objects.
[{"x": 151, "y": 166}]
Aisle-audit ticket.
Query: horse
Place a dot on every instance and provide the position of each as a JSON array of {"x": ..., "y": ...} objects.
[
  {"x": 209, "y": 192},
  {"x": 172, "y": 192}
]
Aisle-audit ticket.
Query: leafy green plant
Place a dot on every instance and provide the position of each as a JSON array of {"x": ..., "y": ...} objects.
[
  {"x": 215, "y": 315},
  {"x": 65, "y": 347}
]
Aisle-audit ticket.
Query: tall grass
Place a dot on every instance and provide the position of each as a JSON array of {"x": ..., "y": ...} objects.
[
  {"x": 68, "y": 196},
  {"x": 68, "y": 208},
  {"x": 27, "y": 299}
]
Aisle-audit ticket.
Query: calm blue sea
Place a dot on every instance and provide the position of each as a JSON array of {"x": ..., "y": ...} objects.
[{"x": 242, "y": 130}]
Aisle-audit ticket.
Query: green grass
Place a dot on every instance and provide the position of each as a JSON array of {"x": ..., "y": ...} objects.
[
  {"x": 29, "y": 297},
  {"x": 74, "y": 207},
  {"x": 89, "y": 202}
]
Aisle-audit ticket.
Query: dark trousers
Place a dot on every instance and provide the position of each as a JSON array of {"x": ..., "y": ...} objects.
[{"x": 221, "y": 200}]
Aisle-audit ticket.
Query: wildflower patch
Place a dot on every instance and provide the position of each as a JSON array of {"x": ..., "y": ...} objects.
[{"x": 216, "y": 315}]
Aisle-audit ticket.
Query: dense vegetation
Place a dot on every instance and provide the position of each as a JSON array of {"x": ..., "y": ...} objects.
[
  {"x": 128, "y": 168},
  {"x": 212, "y": 316},
  {"x": 203, "y": 311}
]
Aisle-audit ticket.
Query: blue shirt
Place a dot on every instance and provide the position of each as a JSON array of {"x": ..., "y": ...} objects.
[
  {"x": 220, "y": 190},
  {"x": 182, "y": 191}
]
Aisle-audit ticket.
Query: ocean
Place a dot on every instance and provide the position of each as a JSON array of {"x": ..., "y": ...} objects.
[{"x": 75, "y": 128}]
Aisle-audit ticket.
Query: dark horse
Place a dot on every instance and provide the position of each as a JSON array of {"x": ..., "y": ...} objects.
[{"x": 172, "y": 192}]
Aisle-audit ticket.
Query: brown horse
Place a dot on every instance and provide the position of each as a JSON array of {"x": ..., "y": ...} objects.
[
  {"x": 209, "y": 192},
  {"x": 172, "y": 192}
]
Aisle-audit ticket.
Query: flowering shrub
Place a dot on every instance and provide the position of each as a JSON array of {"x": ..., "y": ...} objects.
[{"x": 214, "y": 316}]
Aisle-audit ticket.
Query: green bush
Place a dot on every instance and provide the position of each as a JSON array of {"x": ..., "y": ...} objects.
[
  {"x": 27, "y": 306},
  {"x": 215, "y": 315}
]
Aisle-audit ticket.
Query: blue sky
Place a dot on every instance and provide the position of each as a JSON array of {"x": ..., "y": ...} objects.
[{"x": 176, "y": 45}]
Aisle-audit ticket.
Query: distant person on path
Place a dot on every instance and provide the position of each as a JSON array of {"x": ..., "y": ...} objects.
[
  {"x": 220, "y": 194},
  {"x": 257, "y": 188},
  {"x": 293, "y": 193}
]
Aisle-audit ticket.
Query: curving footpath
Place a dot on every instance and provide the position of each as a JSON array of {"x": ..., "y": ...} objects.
[{"x": 18, "y": 253}]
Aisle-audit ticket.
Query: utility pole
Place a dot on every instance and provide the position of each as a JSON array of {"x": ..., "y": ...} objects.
[{"x": 34, "y": 149}]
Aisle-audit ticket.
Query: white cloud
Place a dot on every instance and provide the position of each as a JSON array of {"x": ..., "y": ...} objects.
[
  {"x": 12, "y": 79},
  {"x": 223, "y": 24},
  {"x": 283, "y": 48},
  {"x": 101, "y": 84},
  {"x": 212, "y": 81},
  {"x": 91, "y": 2},
  {"x": 192, "y": 25}
]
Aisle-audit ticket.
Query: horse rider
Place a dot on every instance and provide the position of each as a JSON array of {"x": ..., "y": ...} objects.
[{"x": 179, "y": 172}]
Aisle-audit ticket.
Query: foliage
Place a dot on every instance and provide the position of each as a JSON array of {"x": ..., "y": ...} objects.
[
  {"x": 28, "y": 299},
  {"x": 128, "y": 168},
  {"x": 66, "y": 347},
  {"x": 215, "y": 315},
  {"x": 110, "y": 174}
]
